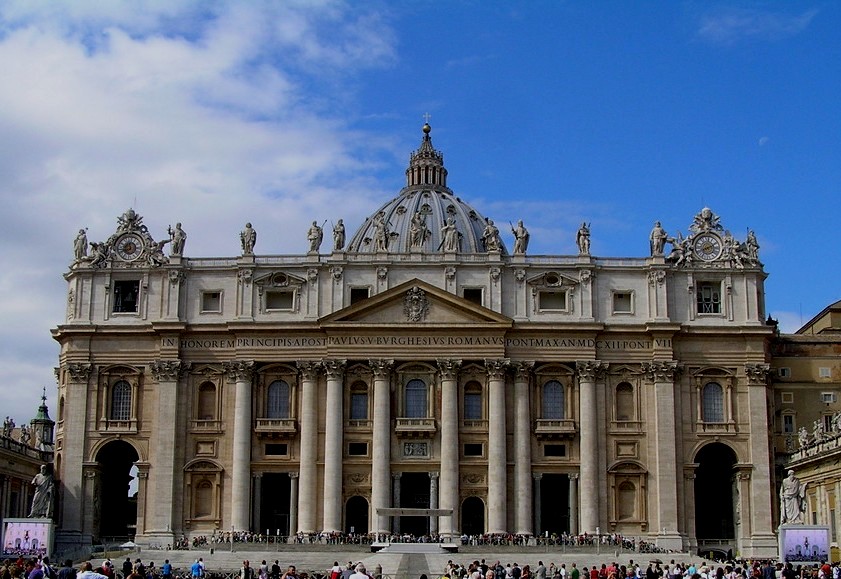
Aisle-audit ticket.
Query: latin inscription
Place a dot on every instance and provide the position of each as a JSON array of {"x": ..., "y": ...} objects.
[{"x": 275, "y": 343}]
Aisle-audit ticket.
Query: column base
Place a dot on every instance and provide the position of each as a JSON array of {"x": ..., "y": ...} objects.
[
  {"x": 671, "y": 542},
  {"x": 761, "y": 547},
  {"x": 158, "y": 539},
  {"x": 70, "y": 541}
]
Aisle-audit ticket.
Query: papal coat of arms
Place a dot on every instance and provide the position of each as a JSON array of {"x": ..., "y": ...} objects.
[{"x": 415, "y": 305}]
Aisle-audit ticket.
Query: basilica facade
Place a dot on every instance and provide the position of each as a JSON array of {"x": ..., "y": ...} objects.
[{"x": 417, "y": 363}]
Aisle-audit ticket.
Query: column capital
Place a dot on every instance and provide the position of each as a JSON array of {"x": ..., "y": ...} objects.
[
  {"x": 448, "y": 368},
  {"x": 308, "y": 368},
  {"x": 522, "y": 369},
  {"x": 79, "y": 371},
  {"x": 169, "y": 370},
  {"x": 396, "y": 475},
  {"x": 239, "y": 370},
  {"x": 294, "y": 474},
  {"x": 662, "y": 371},
  {"x": 757, "y": 373},
  {"x": 573, "y": 476},
  {"x": 434, "y": 476},
  {"x": 381, "y": 368},
  {"x": 590, "y": 369},
  {"x": 334, "y": 368},
  {"x": 537, "y": 475},
  {"x": 496, "y": 367}
]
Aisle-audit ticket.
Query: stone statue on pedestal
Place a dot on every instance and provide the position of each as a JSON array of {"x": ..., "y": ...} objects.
[
  {"x": 582, "y": 239},
  {"x": 339, "y": 235},
  {"x": 248, "y": 238},
  {"x": 42, "y": 501},
  {"x": 178, "y": 238},
  {"x": 792, "y": 500},
  {"x": 521, "y": 238}
]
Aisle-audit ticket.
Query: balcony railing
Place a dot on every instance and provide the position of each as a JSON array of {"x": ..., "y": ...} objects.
[
  {"x": 716, "y": 428},
  {"x": 415, "y": 427},
  {"x": 277, "y": 427},
  {"x": 206, "y": 425},
  {"x": 554, "y": 428}
]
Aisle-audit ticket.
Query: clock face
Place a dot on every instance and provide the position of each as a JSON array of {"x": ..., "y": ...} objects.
[
  {"x": 707, "y": 246},
  {"x": 129, "y": 247}
]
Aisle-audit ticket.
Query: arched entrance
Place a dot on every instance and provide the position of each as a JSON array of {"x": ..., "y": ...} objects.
[
  {"x": 714, "y": 497},
  {"x": 356, "y": 515},
  {"x": 117, "y": 495},
  {"x": 472, "y": 516}
]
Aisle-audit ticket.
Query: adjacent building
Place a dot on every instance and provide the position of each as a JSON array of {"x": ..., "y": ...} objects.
[{"x": 419, "y": 363}]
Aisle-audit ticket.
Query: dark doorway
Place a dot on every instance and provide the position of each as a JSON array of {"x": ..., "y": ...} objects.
[
  {"x": 714, "y": 493},
  {"x": 356, "y": 513},
  {"x": 554, "y": 504},
  {"x": 274, "y": 502},
  {"x": 414, "y": 494},
  {"x": 117, "y": 512},
  {"x": 473, "y": 516}
]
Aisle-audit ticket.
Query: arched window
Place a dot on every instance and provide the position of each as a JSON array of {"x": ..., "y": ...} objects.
[
  {"x": 712, "y": 398},
  {"x": 625, "y": 402},
  {"x": 416, "y": 399},
  {"x": 207, "y": 401},
  {"x": 278, "y": 400},
  {"x": 121, "y": 401},
  {"x": 553, "y": 400},
  {"x": 627, "y": 500},
  {"x": 359, "y": 401},
  {"x": 472, "y": 401},
  {"x": 204, "y": 499}
]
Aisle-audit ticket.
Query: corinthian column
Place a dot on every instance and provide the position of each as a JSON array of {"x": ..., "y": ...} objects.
[
  {"x": 497, "y": 460},
  {"x": 381, "y": 462},
  {"x": 663, "y": 375},
  {"x": 588, "y": 441},
  {"x": 333, "y": 446},
  {"x": 241, "y": 373},
  {"x": 163, "y": 477},
  {"x": 448, "y": 483},
  {"x": 73, "y": 530},
  {"x": 309, "y": 447},
  {"x": 523, "y": 515}
]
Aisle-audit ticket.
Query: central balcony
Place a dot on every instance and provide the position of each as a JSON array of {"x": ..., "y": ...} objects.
[
  {"x": 276, "y": 427},
  {"x": 415, "y": 427}
]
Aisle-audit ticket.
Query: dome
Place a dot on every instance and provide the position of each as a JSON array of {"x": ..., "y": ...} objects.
[{"x": 425, "y": 217}]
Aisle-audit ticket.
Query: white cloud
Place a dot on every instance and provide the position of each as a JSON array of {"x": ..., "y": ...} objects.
[
  {"x": 729, "y": 25},
  {"x": 201, "y": 112}
]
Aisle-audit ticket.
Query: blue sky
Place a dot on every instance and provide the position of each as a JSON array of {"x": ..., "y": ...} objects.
[{"x": 217, "y": 113}]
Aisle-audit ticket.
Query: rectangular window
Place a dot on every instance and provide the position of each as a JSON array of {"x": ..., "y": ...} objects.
[
  {"x": 709, "y": 298},
  {"x": 788, "y": 423},
  {"x": 828, "y": 397},
  {"x": 473, "y": 449},
  {"x": 552, "y": 301},
  {"x": 359, "y": 406},
  {"x": 825, "y": 372},
  {"x": 126, "y": 296},
  {"x": 623, "y": 303},
  {"x": 784, "y": 372},
  {"x": 473, "y": 294},
  {"x": 554, "y": 450},
  {"x": 787, "y": 397},
  {"x": 277, "y": 449},
  {"x": 357, "y": 294},
  {"x": 827, "y": 422},
  {"x": 357, "y": 449},
  {"x": 211, "y": 301},
  {"x": 279, "y": 300}
]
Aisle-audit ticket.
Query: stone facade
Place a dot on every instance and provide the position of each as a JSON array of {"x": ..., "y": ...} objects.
[{"x": 420, "y": 365}]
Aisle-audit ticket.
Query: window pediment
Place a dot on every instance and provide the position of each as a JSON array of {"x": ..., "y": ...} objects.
[
  {"x": 279, "y": 279},
  {"x": 552, "y": 279}
]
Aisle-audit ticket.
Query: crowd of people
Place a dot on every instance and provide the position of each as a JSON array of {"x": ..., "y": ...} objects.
[{"x": 35, "y": 568}]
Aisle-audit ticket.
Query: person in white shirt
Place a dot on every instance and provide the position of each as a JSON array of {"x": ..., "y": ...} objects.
[{"x": 89, "y": 573}]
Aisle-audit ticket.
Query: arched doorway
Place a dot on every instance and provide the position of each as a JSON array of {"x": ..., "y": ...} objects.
[
  {"x": 472, "y": 516},
  {"x": 117, "y": 490},
  {"x": 714, "y": 495},
  {"x": 356, "y": 515}
]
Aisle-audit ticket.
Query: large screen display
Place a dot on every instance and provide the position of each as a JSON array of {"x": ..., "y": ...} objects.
[
  {"x": 27, "y": 537},
  {"x": 804, "y": 543}
]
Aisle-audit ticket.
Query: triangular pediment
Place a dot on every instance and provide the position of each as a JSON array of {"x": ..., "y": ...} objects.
[{"x": 416, "y": 303}]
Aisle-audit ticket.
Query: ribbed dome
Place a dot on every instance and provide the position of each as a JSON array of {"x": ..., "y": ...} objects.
[{"x": 413, "y": 222}]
